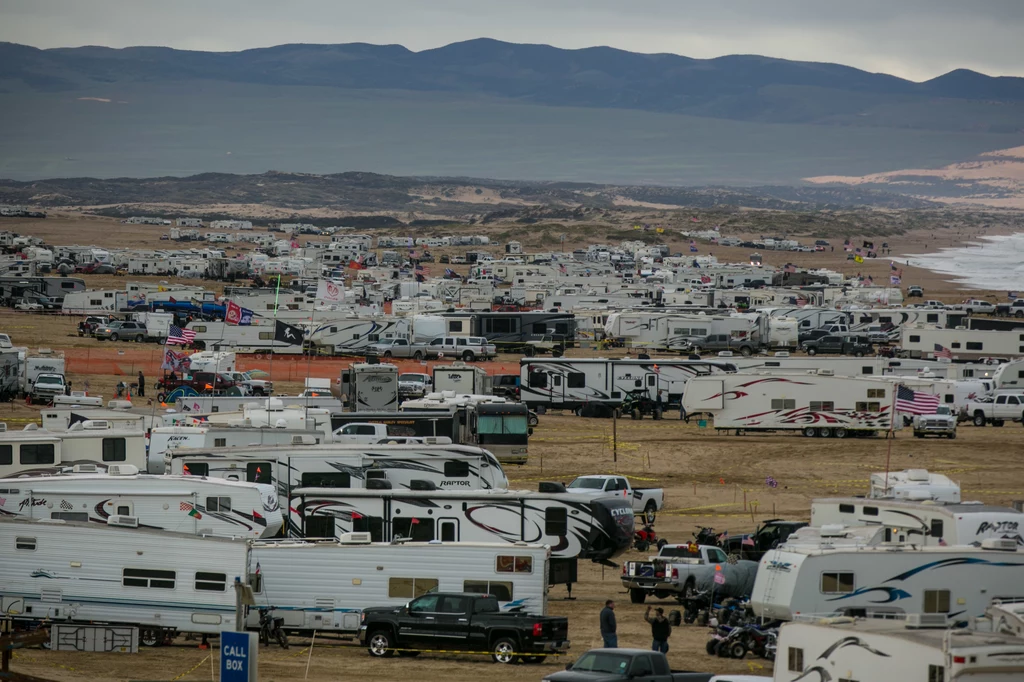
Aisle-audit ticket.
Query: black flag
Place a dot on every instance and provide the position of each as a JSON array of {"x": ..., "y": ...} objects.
[{"x": 285, "y": 333}]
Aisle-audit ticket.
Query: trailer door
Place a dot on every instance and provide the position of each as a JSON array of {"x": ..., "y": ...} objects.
[{"x": 712, "y": 396}]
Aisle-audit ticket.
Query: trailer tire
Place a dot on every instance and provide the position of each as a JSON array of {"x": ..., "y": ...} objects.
[
  {"x": 840, "y": 432},
  {"x": 418, "y": 355},
  {"x": 825, "y": 432},
  {"x": 979, "y": 418},
  {"x": 503, "y": 650},
  {"x": 151, "y": 637},
  {"x": 378, "y": 644},
  {"x": 810, "y": 431},
  {"x": 637, "y": 595},
  {"x": 651, "y": 512}
]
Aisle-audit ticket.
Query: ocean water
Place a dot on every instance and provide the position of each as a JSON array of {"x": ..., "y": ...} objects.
[{"x": 991, "y": 263}]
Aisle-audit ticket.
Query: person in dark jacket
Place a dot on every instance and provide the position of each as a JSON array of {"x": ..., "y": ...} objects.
[
  {"x": 141, "y": 390},
  {"x": 661, "y": 629},
  {"x": 611, "y": 640}
]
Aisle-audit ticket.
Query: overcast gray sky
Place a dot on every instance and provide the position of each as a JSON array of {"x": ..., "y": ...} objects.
[{"x": 916, "y": 39}]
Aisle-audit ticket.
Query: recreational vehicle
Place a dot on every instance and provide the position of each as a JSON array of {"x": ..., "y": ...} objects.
[
  {"x": 921, "y": 341},
  {"x": 574, "y": 527},
  {"x": 166, "y": 439},
  {"x": 163, "y": 582},
  {"x": 371, "y": 387},
  {"x": 914, "y": 484},
  {"x": 514, "y": 332},
  {"x": 33, "y": 451},
  {"x": 339, "y": 579},
  {"x": 487, "y": 421},
  {"x": 857, "y": 571},
  {"x": 461, "y": 378},
  {"x": 124, "y": 497},
  {"x": 874, "y": 649},
  {"x": 354, "y": 336},
  {"x": 923, "y": 523},
  {"x": 254, "y": 338},
  {"x": 574, "y": 383},
  {"x": 209, "y": 404}
]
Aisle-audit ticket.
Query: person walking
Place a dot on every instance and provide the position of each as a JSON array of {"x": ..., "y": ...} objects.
[
  {"x": 608, "y": 629},
  {"x": 661, "y": 629},
  {"x": 141, "y": 391}
]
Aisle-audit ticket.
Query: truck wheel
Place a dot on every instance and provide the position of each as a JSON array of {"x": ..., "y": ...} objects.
[
  {"x": 859, "y": 354},
  {"x": 529, "y": 352},
  {"x": 387, "y": 355},
  {"x": 918, "y": 435},
  {"x": 636, "y": 595},
  {"x": 139, "y": 338},
  {"x": 812, "y": 351},
  {"x": 810, "y": 431},
  {"x": 379, "y": 644},
  {"x": 651, "y": 512},
  {"x": 979, "y": 418},
  {"x": 1019, "y": 313},
  {"x": 468, "y": 356},
  {"x": 997, "y": 422},
  {"x": 114, "y": 337},
  {"x": 418, "y": 355},
  {"x": 689, "y": 590},
  {"x": 839, "y": 432},
  {"x": 746, "y": 351},
  {"x": 951, "y": 436},
  {"x": 504, "y": 651}
]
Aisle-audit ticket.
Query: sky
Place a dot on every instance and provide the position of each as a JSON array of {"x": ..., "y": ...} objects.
[{"x": 915, "y": 39}]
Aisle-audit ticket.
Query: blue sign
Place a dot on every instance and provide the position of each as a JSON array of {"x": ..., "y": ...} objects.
[{"x": 238, "y": 653}]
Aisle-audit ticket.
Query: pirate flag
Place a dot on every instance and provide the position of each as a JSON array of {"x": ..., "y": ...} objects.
[{"x": 286, "y": 333}]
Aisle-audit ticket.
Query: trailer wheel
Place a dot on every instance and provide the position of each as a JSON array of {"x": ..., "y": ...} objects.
[
  {"x": 979, "y": 418},
  {"x": 810, "y": 431},
  {"x": 825, "y": 432},
  {"x": 418, "y": 355},
  {"x": 637, "y": 595},
  {"x": 839, "y": 432},
  {"x": 151, "y": 637},
  {"x": 651, "y": 512}
]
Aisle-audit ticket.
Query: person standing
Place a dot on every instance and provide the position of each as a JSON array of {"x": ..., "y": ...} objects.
[
  {"x": 661, "y": 629},
  {"x": 608, "y": 628},
  {"x": 141, "y": 391}
]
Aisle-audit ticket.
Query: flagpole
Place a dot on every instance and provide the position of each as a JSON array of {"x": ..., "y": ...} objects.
[
  {"x": 892, "y": 435},
  {"x": 273, "y": 340}
]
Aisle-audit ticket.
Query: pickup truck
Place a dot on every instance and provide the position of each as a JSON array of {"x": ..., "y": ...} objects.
[
  {"x": 413, "y": 385},
  {"x": 840, "y": 345},
  {"x": 973, "y": 306},
  {"x": 942, "y": 423},
  {"x": 997, "y": 409},
  {"x": 255, "y": 386},
  {"x": 47, "y": 386},
  {"x": 360, "y": 433},
  {"x": 462, "y": 622},
  {"x": 89, "y": 325},
  {"x": 204, "y": 383},
  {"x": 681, "y": 571},
  {"x": 1015, "y": 309},
  {"x": 401, "y": 348},
  {"x": 467, "y": 348},
  {"x": 767, "y": 536},
  {"x": 623, "y": 665},
  {"x": 646, "y": 501}
]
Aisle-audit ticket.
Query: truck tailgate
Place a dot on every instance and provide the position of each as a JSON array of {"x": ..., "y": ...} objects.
[{"x": 556, "y": 629}]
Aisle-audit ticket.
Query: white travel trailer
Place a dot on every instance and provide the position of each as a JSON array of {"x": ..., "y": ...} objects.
[
  {"x": 914, "y": 484},
  {"x": 461, "y": 377},
  {"x": 783, "y": 363},
  {"x": 856, "y": 572},
  {"x": 371, "y": 387},
  {"x": 575, "y": 528},
  {"x": 124, "y": 497},
  {"x": 63, "y": 418},
  {"x": 875, "y": 649},
  {"x": 209, "y": 404},
  {"x": 920, "y": 341},
  {"x": 88, "y": 573},
  {"x": 922, "y": 523},
  {"x": 33, "y": 451},
  {"x": 166, "y": 439},
  {"x": 254, "y": 338},
  {"x": 340, "y": 579},
  {"x": 353, "y": 336},
  {"x": 1009, "y": 375},
  {"x": 573, "y": 383}
]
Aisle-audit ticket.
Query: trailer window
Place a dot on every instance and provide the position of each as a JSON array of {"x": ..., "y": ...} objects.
[
  {"x": 556, "y": 380},
  {"x": 211, "y": 582},
  {"x": 870, "y": 511},
  {"x": 975, "y": 345},
  {"x": 114, "y": 450},
  {"x": 783, "y": 404},
  {"x": 317, "y": 479},
  {"x": 457, "y": 469},
  {"x": 218, "y": 504},
  {"x": 556, "y": 521},
  {"x": 220, "y": 442},
  {"x": 836, "y": 583},
  {"x": 936, "y": 530},
  {"x": 867, "y": 370},
  {"x": 6, "y": 455},
  {"x": 576, "y": 380},
  {"x": 914, "y": 338},
  {"x": 876, "y": 392},
  {"x": 936, "y": 673},
  {"x": 796, "y": 660},
  {"x": 374, "y": 525},
  {"x": 266, "y": 336},
  {"x": 499, "y": 590},
  {"x": 455, "y": 326},
  {"x": 36, "y": 453},
  {"x": 257, "y": 472},
  {"x": 822, "y": 406},
  {"x": 501, "y": 325},
  {"x": 538, "y": 379},
  {"x": 410, "y": 588},
  {"x": 82, "y": 517},
  {"x": 936, "y": 601},
  {"x": 846, "y": 509},
  {"x": 196, "y": 469},
  {"x": 148, "y": 577},
  {"x": 319, "y": 526},
  {"x": 868, "y": 407},
  {"x": 514, "y": 564},
  {"x": 24, "y": 543},
  {"x": 420, "y": 530}
]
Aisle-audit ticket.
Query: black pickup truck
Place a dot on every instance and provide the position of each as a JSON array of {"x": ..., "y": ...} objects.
[
  {"x": 839, "y": 345},
  {"x": 768, "y": 536},
  {"x": 441, "y": 621},
  {"x": 620, "y": 665}
]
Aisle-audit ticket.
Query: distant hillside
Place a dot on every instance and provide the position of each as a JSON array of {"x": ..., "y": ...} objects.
[{"x": 737, "y": 87}]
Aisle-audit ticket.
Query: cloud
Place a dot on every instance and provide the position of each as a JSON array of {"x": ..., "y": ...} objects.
[{"x": 916, "y": 39}]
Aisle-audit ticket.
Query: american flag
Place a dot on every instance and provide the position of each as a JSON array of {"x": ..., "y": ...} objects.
[
  {"x": 915, "y": 402},
  {"x": 789, "y": 267},
  {"x": 943, "y": 352},
  {"x": 176, "y": 336}
]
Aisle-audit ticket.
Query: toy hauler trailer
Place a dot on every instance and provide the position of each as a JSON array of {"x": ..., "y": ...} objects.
[{"x": 355, "y": 336}]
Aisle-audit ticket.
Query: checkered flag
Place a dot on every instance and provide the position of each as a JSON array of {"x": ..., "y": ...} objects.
[
  {"x": 66, "y": 506},
  {"x": 185, "y": 506}
]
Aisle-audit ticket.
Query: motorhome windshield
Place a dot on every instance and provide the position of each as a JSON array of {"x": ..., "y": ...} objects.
[{"x": 502, "y": 425}]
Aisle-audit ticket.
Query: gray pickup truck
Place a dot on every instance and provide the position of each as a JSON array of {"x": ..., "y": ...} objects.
[
  {"x": 681, "y": 571},
  {"x": 621, "y": 665},
  {"x": 402, "y": 348}
]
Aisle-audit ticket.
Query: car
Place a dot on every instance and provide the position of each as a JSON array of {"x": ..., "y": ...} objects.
[
  {"x": 122, "y": 330},
  {"x": 505, "y": 386},
  {"x": 622, "y": 665},
  {"x": 915, "y": 291}
]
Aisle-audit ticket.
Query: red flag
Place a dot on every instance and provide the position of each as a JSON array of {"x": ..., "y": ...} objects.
[
  {"x": 256, "y": 514},
  {"x": 233, "y": 313}
]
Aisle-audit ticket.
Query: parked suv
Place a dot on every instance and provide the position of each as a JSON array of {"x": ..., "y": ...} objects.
[
  {"x": 89, "y": 325},
  {"x": 840, "y": 345},
  {"x": 467, "y": 348},
  {"x": 119, "y": 330}
]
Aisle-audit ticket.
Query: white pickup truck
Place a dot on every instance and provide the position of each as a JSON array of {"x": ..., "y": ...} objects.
[
  {"x": 942, "y": 423},
  {"x": 359, "y": 433},
  {"x": 681, "y": 571},
  {"x": 646, "y": 501},
  {"x": 996, "y": 410},
  {"x": 974, "y": 306}
]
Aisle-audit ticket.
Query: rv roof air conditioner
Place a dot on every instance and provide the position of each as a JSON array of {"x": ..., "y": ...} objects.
[
  {"x": 281, "y": 424},
  {"x": 122, "y": 470},
  {"x": 826, "y": 372},
  {"x": 355, "y": 539},
  {"x": 119, "y": 404},
  {"x": 303, "y": 440},
  {"x": 1000, "y": 544},
  {"x": 3, "y": 427},
  {"x": 96, "y": 424},
  {"x": 916, "y": 621},
  {"x": 123, "y": 521},
  {"x": 84, "y": 469},
  {"x": 917, "y": 474}
]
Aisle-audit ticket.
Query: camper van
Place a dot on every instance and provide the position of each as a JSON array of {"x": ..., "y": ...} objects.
[
  {"x": 123, "y": 497},
  {"x": 164, "y": 583},
  {"x": 33, "y": 451},
  {"x": 340, "y": 579},
  {"x": 575, "y": 528},
  {"x": 859, "y": 571}
]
